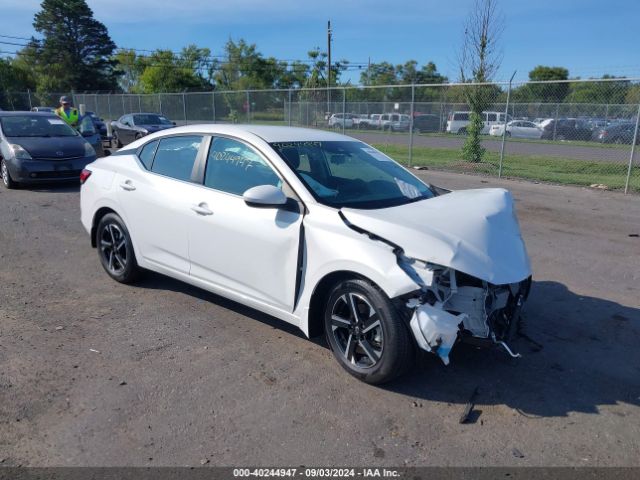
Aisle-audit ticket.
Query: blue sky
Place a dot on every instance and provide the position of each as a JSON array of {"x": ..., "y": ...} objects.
[{"x": 589, "y": 37}]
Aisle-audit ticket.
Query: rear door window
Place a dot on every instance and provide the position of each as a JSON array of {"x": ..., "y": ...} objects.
[
  {"x": 461, "y": 116},
  {"x": 176, "y": 156},
  {"x": 491, "y": 117}
]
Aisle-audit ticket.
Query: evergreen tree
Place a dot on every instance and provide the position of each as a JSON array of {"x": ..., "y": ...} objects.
[{"x": 76, "y": 51}]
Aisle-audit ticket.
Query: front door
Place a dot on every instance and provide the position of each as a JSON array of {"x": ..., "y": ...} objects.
[{"x": 253, "y": 252}]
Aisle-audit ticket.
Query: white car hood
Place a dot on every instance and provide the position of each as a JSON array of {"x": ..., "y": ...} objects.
[{"x": 472, "y": 231}]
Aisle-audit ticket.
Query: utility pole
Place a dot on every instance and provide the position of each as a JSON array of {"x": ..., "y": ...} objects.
[{"x": 328, "y": 66}]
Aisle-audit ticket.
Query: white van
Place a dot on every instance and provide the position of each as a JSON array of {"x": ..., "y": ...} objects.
[{"x": 458, "y": 121}]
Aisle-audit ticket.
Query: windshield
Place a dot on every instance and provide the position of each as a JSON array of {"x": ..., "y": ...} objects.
[
  {"x": 35, "y": 126},
  {"x": 351, "y": 174},
  {"x": 150, "y": 119}
]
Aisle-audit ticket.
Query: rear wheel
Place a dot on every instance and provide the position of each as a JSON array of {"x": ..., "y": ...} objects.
[
  {"x": 7, "y": 181},
  {"x": 462, "y": 131},
  {"x": 365, "y": 333},
  {"x": 116, "y": 250}
]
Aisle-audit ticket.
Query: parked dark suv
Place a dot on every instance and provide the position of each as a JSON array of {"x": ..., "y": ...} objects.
[
  {"x": 426, "y": 123},
  {"x": 567, "y": 129}
]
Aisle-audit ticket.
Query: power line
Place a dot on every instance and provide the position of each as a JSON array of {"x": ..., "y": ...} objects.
[{"x": 208, "y": 59}]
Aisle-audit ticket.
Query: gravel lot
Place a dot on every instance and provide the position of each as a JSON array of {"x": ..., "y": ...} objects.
[{"x": 97, "y": 373}]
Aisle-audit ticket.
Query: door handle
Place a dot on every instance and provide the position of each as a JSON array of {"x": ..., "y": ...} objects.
[
  {"x": 127, "y": 186},
  {"x": 202, "y": 209}
]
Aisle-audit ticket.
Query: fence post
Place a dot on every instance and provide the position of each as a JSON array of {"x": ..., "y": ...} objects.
[
  {"x": 248, "y": 107},
  {"x": 184, "y": 108},
  {"x": 290, "y": 107},
  {"x": 139, "y": 103},
  {"x": 109, "y": 106},
  {"x": 344, "y": 108},
  {"x": 160, "y": 103},
  {"x": 29, "y": 93},
  {"x": 555, "y": 122},
  {"x": 633, "y": 151},
  {"x": 504, "y": 132},
  {"x": 411, "y": 112},
  {"x": 213, "y": 105}
]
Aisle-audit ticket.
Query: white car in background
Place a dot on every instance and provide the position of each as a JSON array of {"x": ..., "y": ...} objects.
[
  {"x": 458, "y": 122},
  {"x": 317, "y": 229},
  {"x": 338, "y": 120},
  {"x": 517, "y": 129}
]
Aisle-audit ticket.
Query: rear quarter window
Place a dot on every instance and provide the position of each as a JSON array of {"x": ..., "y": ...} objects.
[{"x": 147, "y": 153}]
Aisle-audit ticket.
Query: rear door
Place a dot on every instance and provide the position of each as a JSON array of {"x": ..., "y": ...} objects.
[
  {"x": 252, "y": 252},
  {"x": 157, "y": 196}
]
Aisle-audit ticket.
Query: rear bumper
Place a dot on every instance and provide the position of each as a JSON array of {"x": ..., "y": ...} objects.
[{"x": 45, "y": 171}]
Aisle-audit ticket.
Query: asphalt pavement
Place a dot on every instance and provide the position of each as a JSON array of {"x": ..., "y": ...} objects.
[{"x": 97, "y": 373}]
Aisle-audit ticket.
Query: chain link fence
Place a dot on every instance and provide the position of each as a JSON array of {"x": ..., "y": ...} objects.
[{"x": 579, "y": 132}]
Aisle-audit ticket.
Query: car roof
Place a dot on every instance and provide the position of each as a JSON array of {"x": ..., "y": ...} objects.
[
  {"x": 268, "y": 133},
  {"x": 26, "y": 112}
]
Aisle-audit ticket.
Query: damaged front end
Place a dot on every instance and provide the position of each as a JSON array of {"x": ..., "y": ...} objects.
[
  {"x": 452, "y": 306},
  {"x": 465, "y": 253}
]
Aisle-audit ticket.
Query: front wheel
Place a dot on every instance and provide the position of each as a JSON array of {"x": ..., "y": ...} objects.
[
  {"x": 365, "y": 332},
  {"x": 116, "y": 250},
  {"x": 116, "y": 140},
  {"x": 7, "y": 181}
]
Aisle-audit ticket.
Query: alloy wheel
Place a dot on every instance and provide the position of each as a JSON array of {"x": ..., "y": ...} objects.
[
  {"x": 5, "y": 173},
  {"x": 357, "y": 330},
  {"x": 113, "y": 248}
]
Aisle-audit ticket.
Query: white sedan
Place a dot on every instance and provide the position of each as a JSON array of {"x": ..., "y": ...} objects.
[
  {"x": 317, "y": 229},
  {"x": 517, "y": 128}
]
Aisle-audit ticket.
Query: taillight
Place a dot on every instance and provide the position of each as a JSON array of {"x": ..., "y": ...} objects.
[{"x": 84, "y": 175}]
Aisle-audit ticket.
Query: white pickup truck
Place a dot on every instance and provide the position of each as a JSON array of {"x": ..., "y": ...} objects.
[{"x": 397, "y": 122}]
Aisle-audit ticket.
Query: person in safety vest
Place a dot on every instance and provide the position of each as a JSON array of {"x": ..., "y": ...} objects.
[{"x": 67, "y": 112}]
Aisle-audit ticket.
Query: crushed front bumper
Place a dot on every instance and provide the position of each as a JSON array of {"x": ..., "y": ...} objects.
[{"x": 480, "y": 314}]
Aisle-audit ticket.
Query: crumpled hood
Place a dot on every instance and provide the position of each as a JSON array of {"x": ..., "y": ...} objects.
[{"x": 472, "y": 231}]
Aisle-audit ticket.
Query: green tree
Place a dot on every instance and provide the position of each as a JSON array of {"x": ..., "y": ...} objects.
[
  {"x": 15, "y": 80},
  {"x": 479, "y": 61},
  {"x": 75, "y": 52},
  {"x": 130, "y": 67},
  {"x": 164, "y": 71},
  {"x": 544, "y": 92}
]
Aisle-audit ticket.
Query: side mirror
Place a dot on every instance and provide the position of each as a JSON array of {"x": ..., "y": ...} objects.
[{"x": 265, "y": 196}]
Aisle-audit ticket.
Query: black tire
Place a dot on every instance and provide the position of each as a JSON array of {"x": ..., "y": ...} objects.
[
  {"x": 116, "y": 250},
  {"x": 376, "y": 347},
  {"x": 7, "y": 181},
  {"x": 508, "y": 134},
  {"x": 116, "y": 140},
  {"x": 462, "y": 131}
]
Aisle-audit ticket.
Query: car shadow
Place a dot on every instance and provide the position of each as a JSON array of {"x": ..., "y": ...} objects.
[
  {"x": 578, "y": 353},
  {"x": 156, "y": 281},
  {"x": 59, "y": 187}
]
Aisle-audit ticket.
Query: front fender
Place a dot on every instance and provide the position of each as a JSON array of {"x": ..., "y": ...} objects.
[{"x": 331, "y": 246}]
